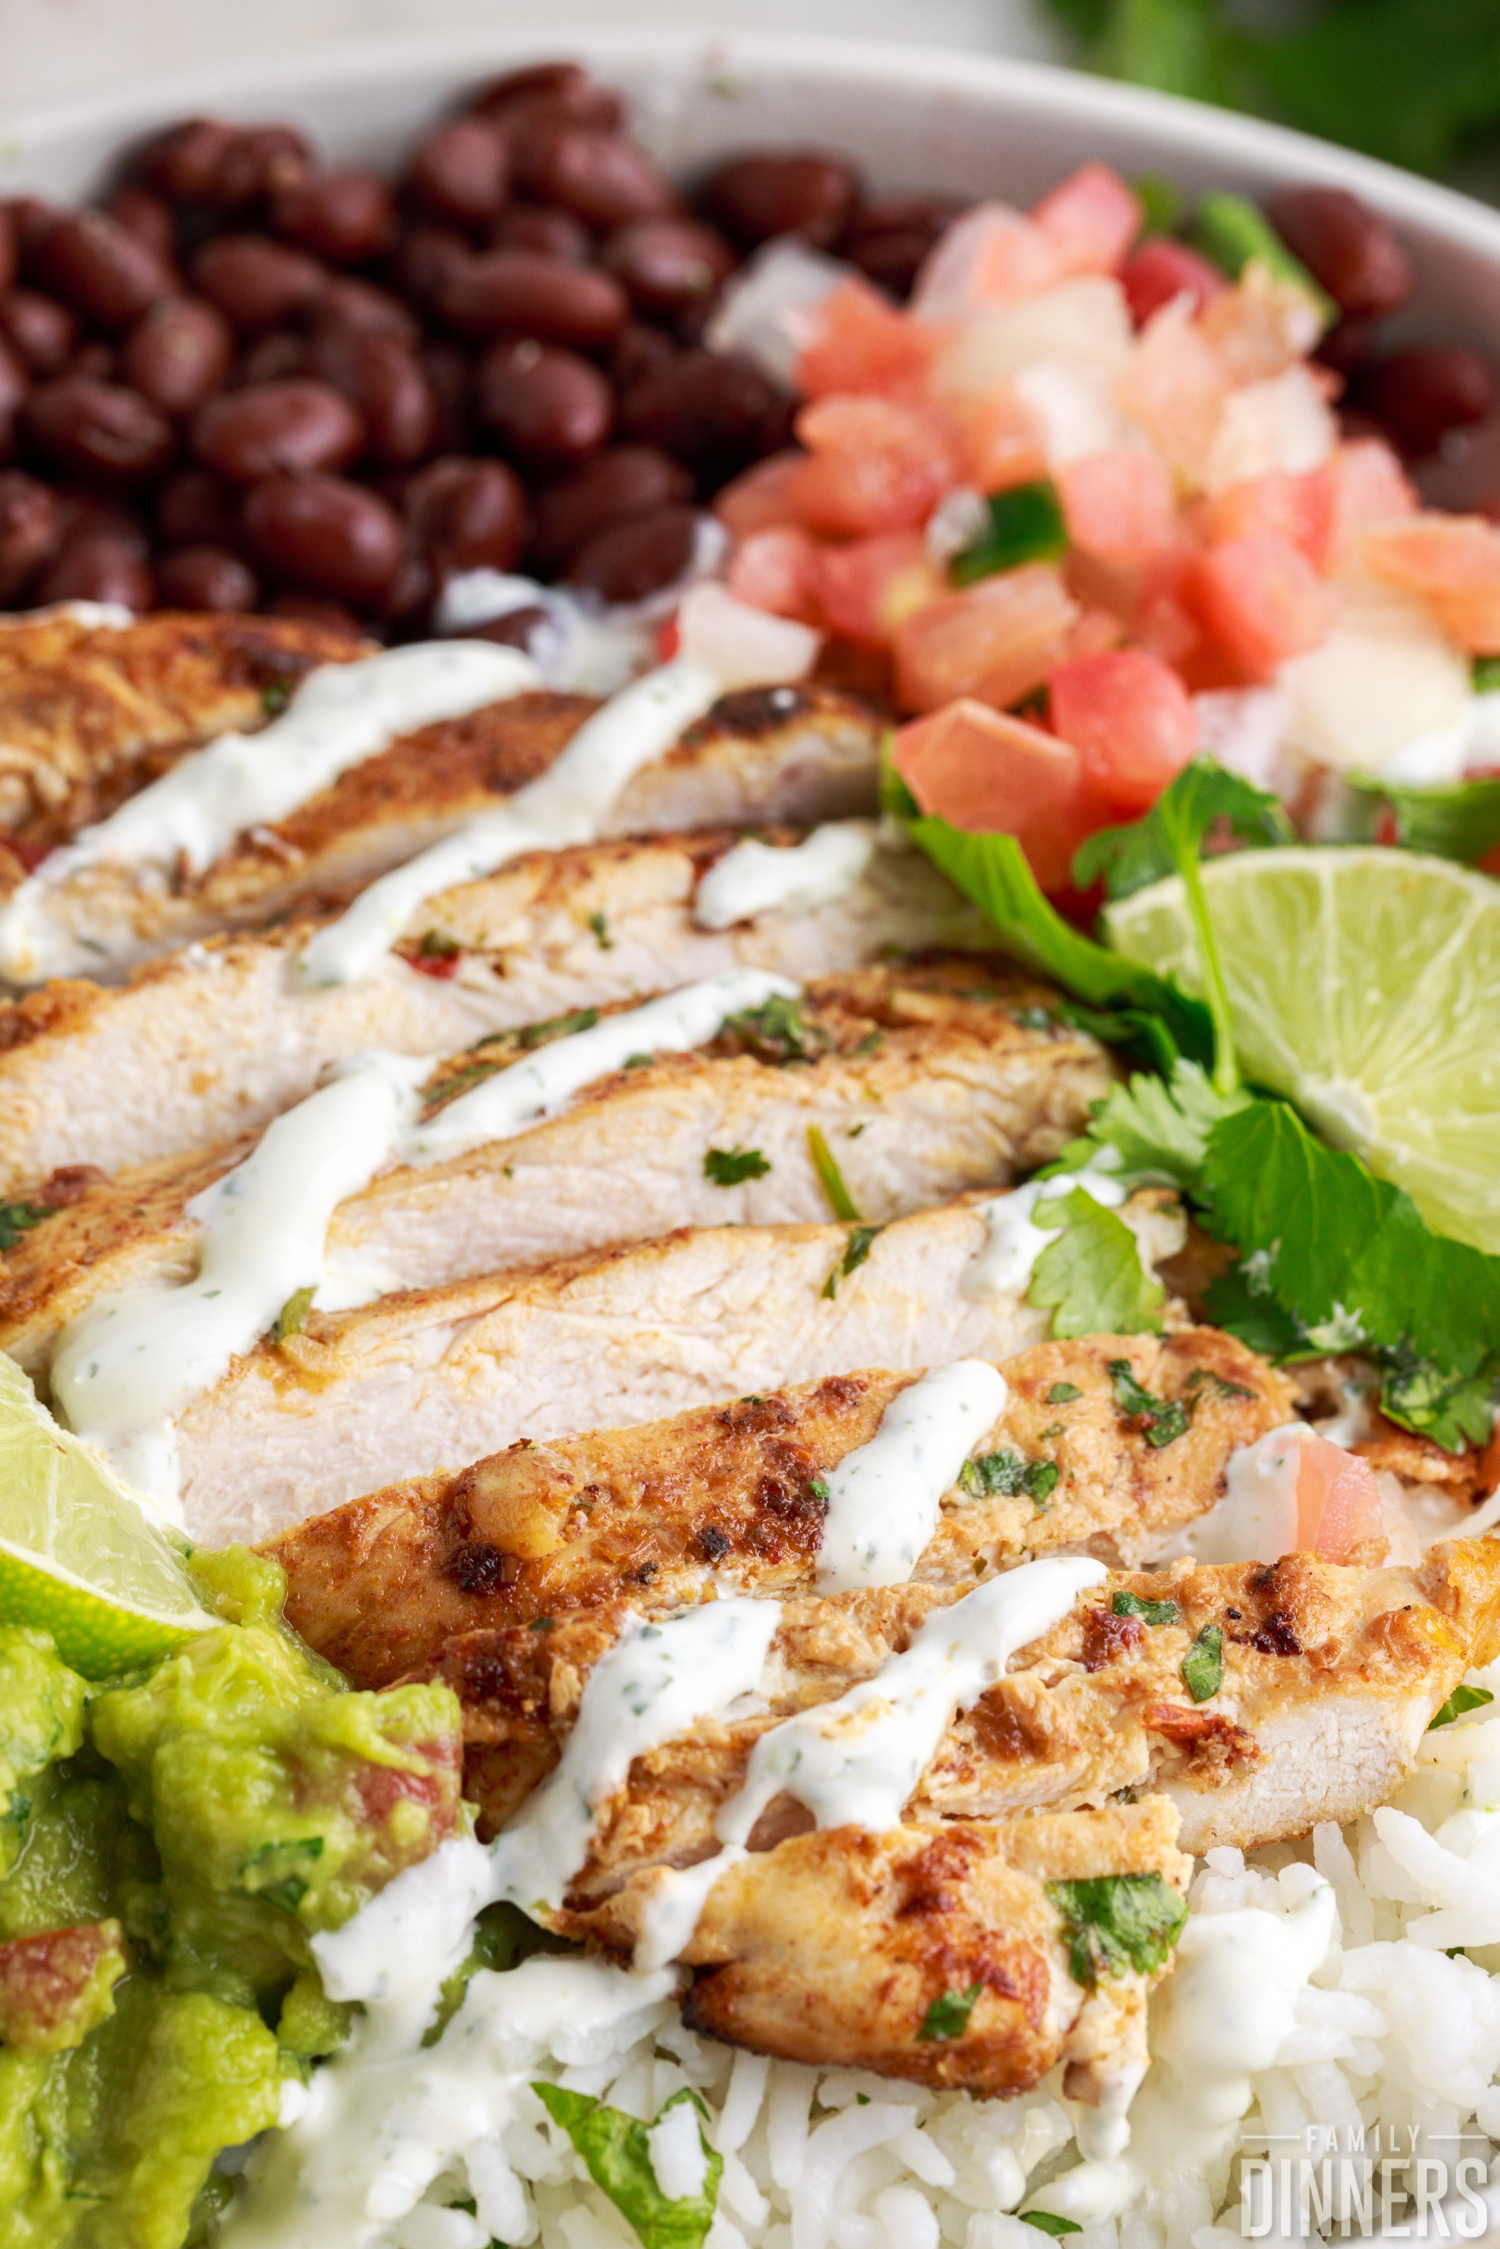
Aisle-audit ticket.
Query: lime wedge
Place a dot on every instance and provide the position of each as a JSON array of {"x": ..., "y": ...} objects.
[
  {"x": 1364, "y": 983},
  {"x": 80, "y": 1555}
]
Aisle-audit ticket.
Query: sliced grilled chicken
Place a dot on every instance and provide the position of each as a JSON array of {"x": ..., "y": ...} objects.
[
  {"x": 730, "y": 1496},
  {"x": 438, "y": 1376},
  {"x": 1330, "y": 1676},
  {"x": 88, "y": 714},
  {"x": 849, "y": 1949},
  {"x": 803, "y": 753},
  {"x": 927, "y": 1080},
  {"x": 215, "y": 1040}
]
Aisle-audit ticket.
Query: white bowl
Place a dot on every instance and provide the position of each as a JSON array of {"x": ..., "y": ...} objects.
[{"x": 915, "y": 118}]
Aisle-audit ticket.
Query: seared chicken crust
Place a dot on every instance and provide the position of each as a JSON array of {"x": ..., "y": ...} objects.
[
  {"x": 724, "y": 1496},
  {"x": 927, "y": 1080}
]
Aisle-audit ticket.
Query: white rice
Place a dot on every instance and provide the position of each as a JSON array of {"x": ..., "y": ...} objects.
[{"x": 1390, "y": 2033}]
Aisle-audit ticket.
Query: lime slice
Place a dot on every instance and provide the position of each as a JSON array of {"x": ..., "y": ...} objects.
[
  {"x": 80, "y": 1555},
  {"x": 1364, "y": 983}
]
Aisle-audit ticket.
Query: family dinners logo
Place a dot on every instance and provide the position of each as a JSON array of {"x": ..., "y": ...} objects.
[{"x": 1352, "y": 2181}]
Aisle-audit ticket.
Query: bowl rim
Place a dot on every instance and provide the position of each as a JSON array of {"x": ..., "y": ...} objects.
[{"x": 1219, "y": 136}]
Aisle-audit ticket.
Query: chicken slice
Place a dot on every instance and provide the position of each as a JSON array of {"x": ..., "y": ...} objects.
[
  {"x": 216, "y": 1040},
  {"x": 805, "y": 753},
  {"x": 722, "y": 1495},
  {"x": 1331, "y": 1675},
  {"x": 434, "y": 1377},
  {"x": 857, "y": 1950},
  {"x": 89, "y": 713},
  {"x": 927, "y": 1080}
]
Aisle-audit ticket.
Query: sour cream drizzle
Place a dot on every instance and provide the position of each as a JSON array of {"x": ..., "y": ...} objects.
[
  {"x": 339, "y": 716},
  {"x": 883, "y": 1499},
  {"x": 128, "y": 1364},
  {"x": 854, "y": 1762},
  {"x": 1005, "y": 1264},
  {"x": 125, "y": 1367},
  {"x": 650, "y": 1686},
  {"x": 754, "y": 878}
]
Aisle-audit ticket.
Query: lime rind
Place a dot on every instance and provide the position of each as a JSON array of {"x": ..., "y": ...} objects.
[
  {"x": 1364, "y": 984},
  {"x": 81, "y": 1555}
]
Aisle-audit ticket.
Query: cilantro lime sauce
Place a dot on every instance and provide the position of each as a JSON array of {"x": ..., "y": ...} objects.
[
  {"x": 754, "y": 879},
  {"x": 1015, "y": 1241},
  {"x": 883, "y": 1499},
  {"x": 855, "y": 1762},
  {"x": 339, "y": 716},
  {"x": 654, "y": 1683},
  {"x": 543, "y": 1083}
]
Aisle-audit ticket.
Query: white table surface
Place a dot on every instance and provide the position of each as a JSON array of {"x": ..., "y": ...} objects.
[{"x": 57, "y": 50}]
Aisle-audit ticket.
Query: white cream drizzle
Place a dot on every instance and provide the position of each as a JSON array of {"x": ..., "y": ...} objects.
[
  {"x": 754, "y": 878},
  {"x": 654, "y": 1683},
  {"x": 124, "y": 1368},
  {"x": 543, "y": 1084},
  {"x": 854, "y": 1762},
  {"x": 724, "y": 645},
  {"x": 339, "y": 716},
  {"x": 1014, "y": 1243},
  {"x": 884, "y": 1498}
]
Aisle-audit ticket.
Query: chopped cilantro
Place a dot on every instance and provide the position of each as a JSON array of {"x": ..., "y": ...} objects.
[
  {"x": 1063, "y": 1393},
  {"x": 1222, "y": 1386},
  {"x": 435, "y": 946},
  {"x": 728, "y": 1167},
  {"x": 1231, "y": 230},
  {"x": 17, "y": 1219},
  {"x": 856, "y": 1250},
  {"x": 1039, "y": 1482},
  {"x": 1046, "y": 2221},
  {"x": 599, "y": 924},
  {"x": 1005, "y": 1473},
  {"x": 1091, "y": 1277},
  {"x": 830, "y": 1178},
  {"x": 639, "y": 1061},
  {"x": 274, "y": 697},
  {"x": 1034, "y": 1018},
  {"x": 1454, "y": 820},
  {"x": 948, "y": 2016},
  {"x": 1462, "y": 1698},
  {"x": 1118, "y": 1921},
  {"x": 616, "y": 2149},
  {"x": 871, "y": 1043},
  {"x": 1126, "y": 1603},
  {"x": 779, "y": 1031},
  {"x": 292, "y": 1318},
  {"x": 557, "y": 1027},
  {"x": 1025, "y": 525},
  {"x": 1203, "y": 1665},
  {"x": 1201, "y": 797},
  {"x": 817, "y": 1487},
  {"x": 1159, "y": 1421}
]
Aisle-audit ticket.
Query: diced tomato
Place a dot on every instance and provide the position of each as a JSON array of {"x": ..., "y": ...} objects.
[
  {"x": 1174, "y": 387},
  {"x": 1002, "y": 443},
  {"x": 56, "y": 1985},
  {"x": 1452, "y": 562},
  {"x": 757, "y": 500},
  {"x": 778, "y": 570},
  {"x": 1096, "y": 631},
  {"x": 1090, "y": 219},
  {"x": 668, "y": 640},
  {"x": 863, "y": 343},
  {"x": 1162, "y": 270},
  {"x": 1119, "y": 506},
  {"x": 865, "y": 588},
  {"x": 1299, "y": 508},
  {"x": 872, "y": 465},
  {"x": 1130, "y": 719},
  {"x": 993, "y": 774},
  {"x": 991, "y": 255},
  {"x": 1261, "y": 599},
  {"x": 995, "y": 641},
  {"x": 1262, "y": 326},
  {"x": 1338, "y": 1501}
]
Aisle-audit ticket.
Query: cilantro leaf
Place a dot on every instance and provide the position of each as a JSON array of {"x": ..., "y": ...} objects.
[
  {"x": 1006, "y": 1473},
  {"x": 779, "y": 1031},
  {"x": 1091, "y": 1277},
  {"x": 17, "y": 1219},
  {"x": 1063, "y": 1393},
  {"x": 830, "y": 1177},
  {"x": 1459, "y": 820},
  {"x": 618, "y": 2155},
  {"x": 1204, "y": 793},
  {"x": 292, "y": 1318},
  {"x": 1159, "y": 1422},
  {"x": 1126, "y": 1603},
  {"x": 1231, "y": 230},
  {"x": 1203, "y": 1666},
  {"x": 948, "y": 2016},
  {"x": 727, "y": 1167},
  {"x": 1025, "y": 525},
  {"x": 856, "y": 1250},
  {"x": 1463, "y": 1698},
  {"x": 1160, "y": 1130},
  {"x": 992, "y": 871},
  {"x": 1418, "y": 1396},
  {"x": 1118, "y": 1921},
  {"x": 1046, "y": 2221}
]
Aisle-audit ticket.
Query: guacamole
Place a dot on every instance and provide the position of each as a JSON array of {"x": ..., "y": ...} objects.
[{"x": 169, "y": 1842}]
